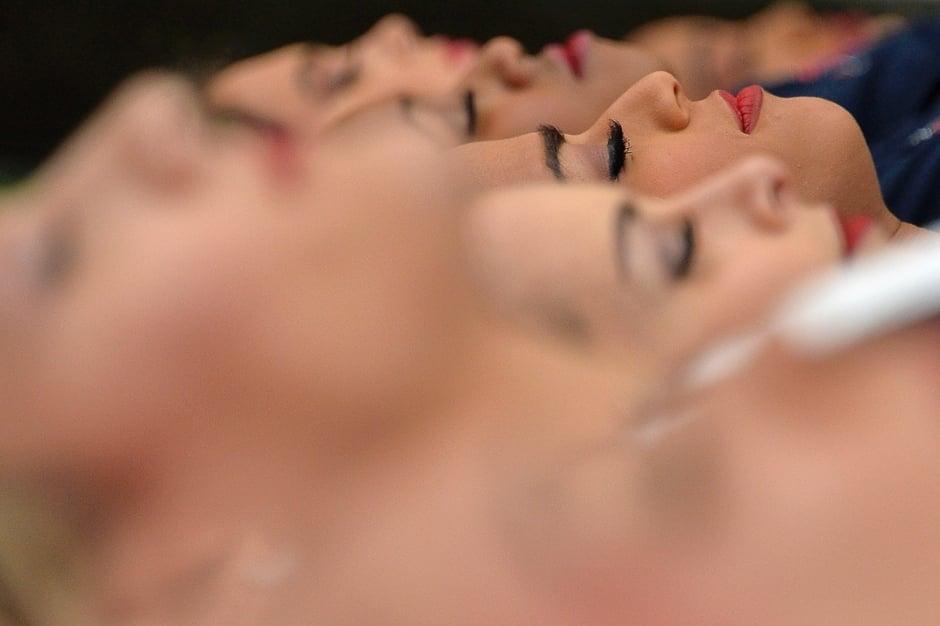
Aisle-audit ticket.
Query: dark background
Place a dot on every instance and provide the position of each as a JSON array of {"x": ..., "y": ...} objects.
[{"x": 59, "y": 59}]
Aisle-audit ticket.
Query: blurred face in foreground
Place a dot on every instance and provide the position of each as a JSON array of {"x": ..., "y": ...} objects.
[
  {"x": 250, "y": 328},
  {"x": 162, "y": 264},
  {"x": 255, "y": 340},
  {"x": 800, "y": 491}
]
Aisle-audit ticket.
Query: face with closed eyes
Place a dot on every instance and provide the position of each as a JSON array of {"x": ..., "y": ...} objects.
[
  {"x": 566, "y": 85},
  {"x": 308, "y": 86},
  {"x": 798, "y": 491},
  {"x": 622, "y": 271},
  {"x": 162, "y": 266},
  {"x": 656, "y": 141},
  {"x": 179, "y": 297}
]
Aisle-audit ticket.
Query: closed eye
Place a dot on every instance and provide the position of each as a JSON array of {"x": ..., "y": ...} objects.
[
  {"x": 618, "y": 147},
  {"x": 319, "y": 75},
  {"x": 469, "y": 104},
  {"x": 683, "y": 262}
]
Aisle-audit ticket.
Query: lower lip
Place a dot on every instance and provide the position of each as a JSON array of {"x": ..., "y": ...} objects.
[
  {"x": 854, "y": 230},
  {"x": 746, "y": 106},
  {"x": 574, "y": 51}
]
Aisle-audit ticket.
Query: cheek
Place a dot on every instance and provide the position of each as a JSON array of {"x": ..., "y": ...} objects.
[
  {"x": 845, "y": 497},
  {"x": 737, "y": 281},
  {"x": 666, "y": 165},
  {"x": 138, "y": 346}
]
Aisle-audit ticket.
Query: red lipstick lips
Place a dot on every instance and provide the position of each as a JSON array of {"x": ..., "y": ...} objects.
[
  {"x": 746, "y": 106},
  {"x": 458, "y": 49},
  {"x": 853, "y": 231},
  {"x": 573, "y": 51}
]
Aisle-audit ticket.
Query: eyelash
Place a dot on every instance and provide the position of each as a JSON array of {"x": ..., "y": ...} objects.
[
  {"x": 469, "y": 103},
  {"x": 342, "y": 79},
  {"x": 618, "y": 148},
  {"x": 315, "y": 79},
  {"x": 349, "y": 73},
  {"x": 677, "y": 247},
  {"x": 681, "y": 265}
]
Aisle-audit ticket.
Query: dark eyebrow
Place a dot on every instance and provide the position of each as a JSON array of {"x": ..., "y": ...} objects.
[
  {"x": 552, "y": 139},
  {"x": 625, "y": 214}
]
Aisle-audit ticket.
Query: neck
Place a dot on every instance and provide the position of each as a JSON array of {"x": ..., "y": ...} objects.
[
  {"x": 240, "y": 527},
  {"x": 197, "y": 523}
]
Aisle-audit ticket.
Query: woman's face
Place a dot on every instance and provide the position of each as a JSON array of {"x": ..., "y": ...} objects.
[
  {"x": 566, "y": 85},
  {"x": 777, "y": 42},
  {"x": 799, "y": 490},
  {"x": 656, "y": 141},
  {"x": 639, "y": 274},
  {"x": 163, "y": 266},
  {"x": 309, "y": 86}
]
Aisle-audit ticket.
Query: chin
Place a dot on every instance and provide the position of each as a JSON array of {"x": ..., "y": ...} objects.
[{"x": 844, "y": 168}]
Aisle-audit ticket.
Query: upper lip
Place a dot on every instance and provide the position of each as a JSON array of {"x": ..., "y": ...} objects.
[{"x": 746, "y": 106}]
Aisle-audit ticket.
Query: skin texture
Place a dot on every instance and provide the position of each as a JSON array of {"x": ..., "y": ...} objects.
[
  {"x": 94, "y": 228},
  {"x": 516, "y": 91},
  {"x": 781, "y": 40},
  {"x": 551, "y": 254},
  {"x": 841, "y": 475},
  {"x": 310, "y": 87},
  {"x": 255, "y": 393},
  {"x": 230, "y": 368},
  {"x": 675, "y": 142},
  {"x": 513, "y": 91}
]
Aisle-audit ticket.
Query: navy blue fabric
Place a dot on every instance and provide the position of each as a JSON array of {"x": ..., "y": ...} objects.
[{"x": 893, "y": 91}]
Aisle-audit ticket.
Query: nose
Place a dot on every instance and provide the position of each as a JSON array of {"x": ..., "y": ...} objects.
[
  {"x": 758, "y": 189},
  {"x": 151, "y": 129},
  {"x": 250, "y": 83},
  {"x": 660, "y": 95},
  {"x": 504, "y": 59},
  {"x": 396, "y": 34}
]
